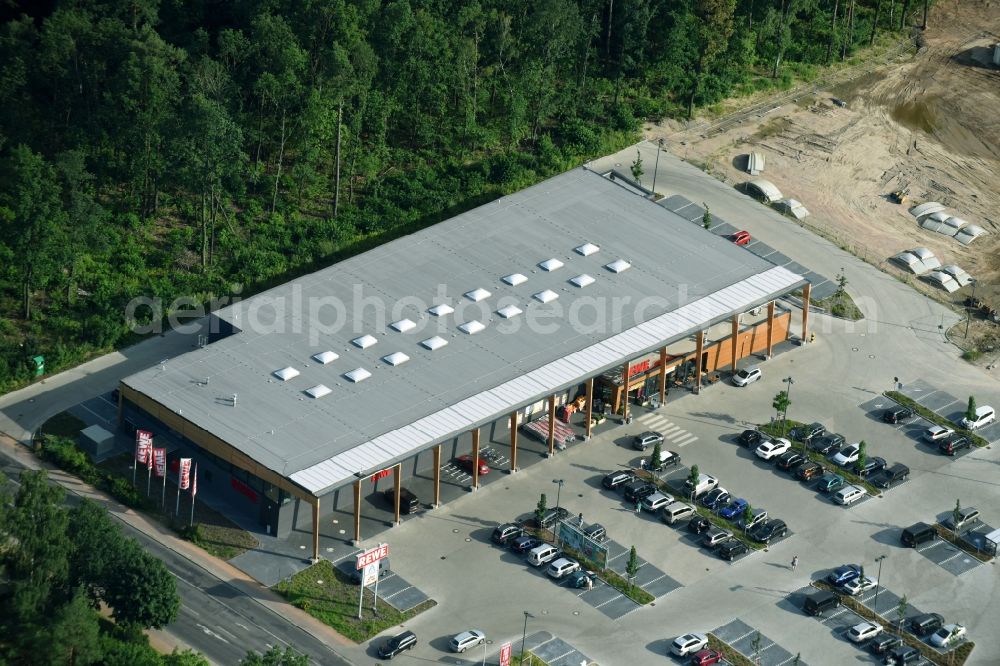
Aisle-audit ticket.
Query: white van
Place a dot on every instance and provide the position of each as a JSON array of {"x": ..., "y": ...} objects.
[
  {"x": 542, "y": 554},
  {"x": 984, "y": 416},
  {"x": 677, "y": 511}
]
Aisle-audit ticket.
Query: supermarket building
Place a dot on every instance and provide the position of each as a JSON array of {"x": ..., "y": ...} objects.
[{"x": 576, "y": 290}]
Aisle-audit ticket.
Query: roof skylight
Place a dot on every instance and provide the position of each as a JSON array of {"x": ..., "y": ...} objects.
[
  {"x": 441, "y": 310},
  {"x": 286, "y": 373},
  {"x": 365, "y": 341},
  {"x": 582, "y": 280},
  {"x": 403, "y": 325},
  {"x": 550, "y": 264},
  {"x": 618, "y": 265},
  {"x": 587, "y": 249},
  {"x": 515, "y": 279},
  {"x": 396, "y": 358},
  {"x": 434, "y": 343},
  {"x": 546, "y": 296},
  {"x": 472, "y": 327},
  {"x": 319, "y": 391},
  {"x": 325, "y": 357},
  {"x": 509, "y": 311},
  {"x": 357, "y": 375},
  {"x": 477, "y": 294}
]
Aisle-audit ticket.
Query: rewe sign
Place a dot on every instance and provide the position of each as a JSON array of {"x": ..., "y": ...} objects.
[{"x": 372, "y": 556}]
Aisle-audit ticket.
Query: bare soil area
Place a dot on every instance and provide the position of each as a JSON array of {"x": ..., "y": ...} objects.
[{"x": 928, "y": 123}]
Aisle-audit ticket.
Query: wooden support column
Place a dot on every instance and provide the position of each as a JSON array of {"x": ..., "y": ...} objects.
[
  {"x": 437, "y": 476},
  {"x": 736, "y": 339},
  {"x": 315, "y": 506},
  {"x": 770, "y": 327},
  {"x": 513, "y": 442},
  {"x": 698, "y": 351},
  {"x": 552, "y": 425},
  {"x": 357, "y": 512},
  {"x": 663, "y": 376},
  {"x": 475, "y": 459},
  {"x": 397, "y": 472},
  {"x": 806, "y": 292},
  {"x": 590, "y": 407},
  {"x": 625, "y": 371}
]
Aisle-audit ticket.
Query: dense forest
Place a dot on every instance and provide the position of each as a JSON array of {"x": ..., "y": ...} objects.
[{"x": 210, "y": 147}]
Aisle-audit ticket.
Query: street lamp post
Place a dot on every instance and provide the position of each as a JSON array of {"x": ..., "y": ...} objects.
[
  {"x": 788, "y": 401},
  {"x": 657, "y": 167},
  {"x": 524, "y": 634},
  {"x": 878, "y": 583},
  {"x": 560, "y": 483}
]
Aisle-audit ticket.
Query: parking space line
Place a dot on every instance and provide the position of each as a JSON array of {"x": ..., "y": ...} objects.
[{"x": 604, "y": 603}]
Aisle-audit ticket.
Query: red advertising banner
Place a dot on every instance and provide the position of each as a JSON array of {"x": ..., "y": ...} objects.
[
  {"x": 194, "y": 482},
  {"x": 372, "y": 556},
  {"x": 143, "y": 445},
  {"x": 160, "y": 462},
  {"x": 381, "y": 474},
  {"x": 505, "y": 654},
  {"x": 185, "y": 474}
]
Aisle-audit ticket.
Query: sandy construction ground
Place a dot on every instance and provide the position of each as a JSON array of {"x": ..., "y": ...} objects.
[{"x": 928, "y": 122}]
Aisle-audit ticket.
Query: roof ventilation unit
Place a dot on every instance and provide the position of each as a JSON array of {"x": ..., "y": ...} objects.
[
  {"x": 434, "y": 343},
  {"x": 587, "y": 249},
  {"x": 325, "y": 357},
  {"x": 478, "y": 294},
  {"x": 318, "y": 391},
  {"x": 286, "y": 373},
  {"x": 550, "y": 264},
  {"x": 396, "y": 358},
  {"x": 515, "y": 279},
  {"x": 403, "y": 325},
  {"x": 358, "y": 375},
  {"x": 582, "y": 280},
  {"x": 618, "y": 266},
  {"x": 509, "y": 311},
  {"x": 365, "y": 341},
  {"x": 472, "y": 327},
  {"x": 441, "y": 310},
  {"x": 546, "y": 296}
]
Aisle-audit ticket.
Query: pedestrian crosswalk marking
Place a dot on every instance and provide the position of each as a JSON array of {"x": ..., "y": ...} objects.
[{"x": 671, "y": 432}]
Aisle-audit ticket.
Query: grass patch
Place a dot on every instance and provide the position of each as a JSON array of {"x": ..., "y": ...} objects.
[
  {"x": 529, "y": 660},
  {"x": 222, "y": 541},
  {"x": 840, "y": 305},
  {"x": 63, "y": 424},
  {"x": 328, "y": 595},
  {"x": 776, "y": 429},
  {"x": 927, "y": 414},
  {"x": 971, "y": 355}
]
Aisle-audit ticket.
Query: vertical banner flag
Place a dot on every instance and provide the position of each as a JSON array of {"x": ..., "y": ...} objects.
[
  {"x": 194, "y": 481},
  {"x": 185, "y": 474},
  {"x": 160, "y": 462},
  {"x": 143, "y": 445}
]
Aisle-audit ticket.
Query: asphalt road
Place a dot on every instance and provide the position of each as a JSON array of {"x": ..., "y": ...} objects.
[{"x": 215, "y": 618}]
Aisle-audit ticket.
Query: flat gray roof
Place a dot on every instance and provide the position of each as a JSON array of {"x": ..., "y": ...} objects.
[{"x": 679, "y": 278}]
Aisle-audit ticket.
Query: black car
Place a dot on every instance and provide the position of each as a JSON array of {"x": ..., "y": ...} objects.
[
  {"x": 730, "y": 550},
  {"x": 698, "y": 524},
  {"x": 715, "y": 498},
  {"x": 808, "y": 471},
  {"x": 523, "y": 544},
  {"x": 553, "y": 516},
  {"x": 768, "y": 530},
  {"x": 897, "y": 415},
  {"x": 903, "y": 654},
  {"x": 504, "y": 534},
  {"x": 751, "y": 438},
  {"x": 397, "y": 644},
  {"x": 883, "y": 643},
  {"x": 890, "y": 475},
  {"x": 667, "y": 459},
  {"x": 872, "y": 465},
  {"x": 789, "y": 460},
  {"x": 615, "y": 480},
  {"x": 926, "y": 624},
  {"x": 639, "y": 490},
  {"x": 953, "y": 445},
  {"x": 807, "y": 433},
  {"x": 828, "y": 444}
]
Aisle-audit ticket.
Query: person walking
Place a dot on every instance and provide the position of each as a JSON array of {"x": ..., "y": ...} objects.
[
  {"x": 580, "y": 519},
  {"x": 795, "y": 562},
  {"x": 638, "y": 507}
]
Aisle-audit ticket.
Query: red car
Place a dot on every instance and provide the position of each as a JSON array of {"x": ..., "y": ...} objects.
[
  {"x": 465, "y": 462},
  {"x": 705, "y": 657},
  {"x": 740, "y": 238}
]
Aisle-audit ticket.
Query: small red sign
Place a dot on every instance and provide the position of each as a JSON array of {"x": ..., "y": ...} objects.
[
  {"x": 505, "y": 654},
  {"x": 381, "y": 474},
  {"x": 642, "y": 366},
  {"x": 372, "y": 556}
]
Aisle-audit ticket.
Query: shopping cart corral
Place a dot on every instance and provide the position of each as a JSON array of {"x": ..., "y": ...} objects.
[{"x": 540, "y": 430}]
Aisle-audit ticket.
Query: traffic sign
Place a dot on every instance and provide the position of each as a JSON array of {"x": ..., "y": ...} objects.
[{"x": 372, "y": 556}]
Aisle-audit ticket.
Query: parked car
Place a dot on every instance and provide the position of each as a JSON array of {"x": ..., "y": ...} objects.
[
  {"x": 807, "y": 433},
  {"x": 734, "y": 509},
  {"x": 985, "y": 415},
  {"x": 638, "y": 490},
  {"x": 581, "y": 579},
  {"x": 947, "y": 635},
  {"x": 504, "y": 534},
  {"x": 553, "y": 516},
  {"x": 699, "y": 524},
  {"x": 966, "y": 516},
  {"x": 872, "y": 465},
  {"x": 705, "y": 483},
  {"x": 747, "y": 376},
  {"x": 393, "y": 646},
  {"x": 714, "y": 536},
  {"x": 772, "y": 448},
  {"x": 543, "y": 554},
  {"x": 463, "y": 641},
  {"x": 829, "y": 443},
  {"x": 864, "y": 631},
  {"x": 789, "y": 460},
  {"x": 757, "y": 516},
  {"x": 936, "y": 433},
  {"x": 751, "y": 438},
  {"x": 847, "y": 456},
  {"x": 808, "y": 471},
  {"x": 843, "y": 574},
  {"x": 925, "y": 624},
  {"x": 916, "y": 534},
  {"x": 902, "y": 654},
  {"x": 706, "y": 657},
  {"x": 656, "y": 501},
  {"x": 597, "y": 532},
  {"x": 523, "y": 544},
  {"x": 767, "y": 531},
  {"x": 953, "y": 445},
  {"x": 716, "y": 497},
  {"x": 647, "y": 439},
  {"x": 849, "y": 495},
  {"x": 688, "y": 644},
  {"x": 617, "y": 479},
  {"x": 731, "y": 549},
  {"x": 740, "y": 237},
  {"x": 858, "y": 585},
  {"x": 819, "y": 602},
  {"x": 667, "y": 459},
  {"x": 890, "y": 475},
  {"x": 830, "y": 482},
  {"x": 884, "y": 642},
  {"x": 675, "y": 512},
  {"x": 465, "y": 462},
  {"x": 897, "y": 415},
  {"x": 562, "y": 567}
]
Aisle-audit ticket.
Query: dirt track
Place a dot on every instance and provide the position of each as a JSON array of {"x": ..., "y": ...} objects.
[{"x": 929, "y": 123}]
